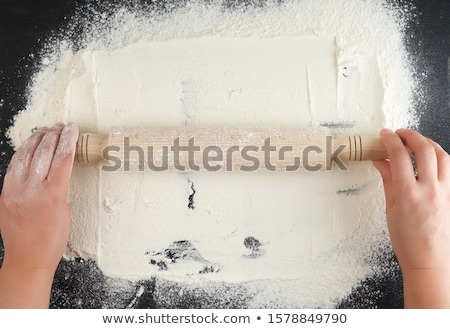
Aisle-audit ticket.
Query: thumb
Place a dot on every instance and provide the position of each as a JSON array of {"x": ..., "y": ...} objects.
[{"x": 384, "y": 168}]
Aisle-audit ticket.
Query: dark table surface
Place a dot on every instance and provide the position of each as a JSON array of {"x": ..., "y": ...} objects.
[{"x": 26, "y": 24}]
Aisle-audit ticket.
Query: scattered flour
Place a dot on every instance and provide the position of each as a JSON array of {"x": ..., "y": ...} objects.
[{"x": 293, "y": 240}]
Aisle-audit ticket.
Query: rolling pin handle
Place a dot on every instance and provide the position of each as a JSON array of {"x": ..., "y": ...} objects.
[
  {"x": 89, "y": 148},
  {"x": 362, "y": 148}
]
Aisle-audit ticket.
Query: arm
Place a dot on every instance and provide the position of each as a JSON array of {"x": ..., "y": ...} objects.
[
  {"x": 35, "y": 216},
  {"x": 418, "y": 216}
]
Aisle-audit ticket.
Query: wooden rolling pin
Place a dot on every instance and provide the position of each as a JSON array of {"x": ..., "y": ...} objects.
[{"x": 226, "y": 149}]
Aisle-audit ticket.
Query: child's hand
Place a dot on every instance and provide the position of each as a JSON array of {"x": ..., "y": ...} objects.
[
  {"x": 418, "y": 215},
  {"x": 35, "y": 215}
]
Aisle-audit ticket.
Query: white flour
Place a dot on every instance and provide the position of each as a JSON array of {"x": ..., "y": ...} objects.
[{"x": 297, "y": 240}]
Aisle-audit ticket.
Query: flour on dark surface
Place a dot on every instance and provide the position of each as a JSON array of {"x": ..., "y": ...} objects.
[
  {"x": 80, "y": 284},
  {"x": 383, "y": 289}
]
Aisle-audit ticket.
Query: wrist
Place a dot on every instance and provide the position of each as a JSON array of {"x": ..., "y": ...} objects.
[
  {"x": 426, "y": 288},
  {"x": 22, "y": 287},
  {"x": 27, "y": 274},
  {"x": 22, "y": 270}
]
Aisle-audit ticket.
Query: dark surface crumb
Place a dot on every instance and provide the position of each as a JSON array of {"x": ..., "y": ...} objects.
[
  {"x": 191, "y": 194},
  {"x": 337, "y": 125},
  {"x": 350, "y": 191},
  {"x": 182, "y": 251},
  {"x": 252, "y": 243}
]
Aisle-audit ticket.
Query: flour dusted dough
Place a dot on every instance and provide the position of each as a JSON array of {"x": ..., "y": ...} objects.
[{"x": 214, "y": 82}]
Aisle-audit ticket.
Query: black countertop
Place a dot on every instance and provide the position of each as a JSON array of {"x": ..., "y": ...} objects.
[{"x": 26, "y": 24}]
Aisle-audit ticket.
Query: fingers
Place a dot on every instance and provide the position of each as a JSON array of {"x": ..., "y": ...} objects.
[
  {"x": 431, "y": 160},
  {"x": 443, "y": 161},
  {"x": 62, "y": 163},
  {"x": 19, "y": 167},
  {"x": 399, "y": 159},
  {"x": 46, "y": 153},
  {"x": 424, "y": 154},
  {"x": 43, "y": 156}
]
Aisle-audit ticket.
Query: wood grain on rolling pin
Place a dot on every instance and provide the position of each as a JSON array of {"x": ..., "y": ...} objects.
[{"x": 213, "y": 149}]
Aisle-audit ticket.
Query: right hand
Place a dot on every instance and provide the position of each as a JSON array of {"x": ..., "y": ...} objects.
[{"x": 417, "y": 208}]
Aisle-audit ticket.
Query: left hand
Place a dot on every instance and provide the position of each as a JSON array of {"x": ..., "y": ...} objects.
[{"x": 35, "y": 214}]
